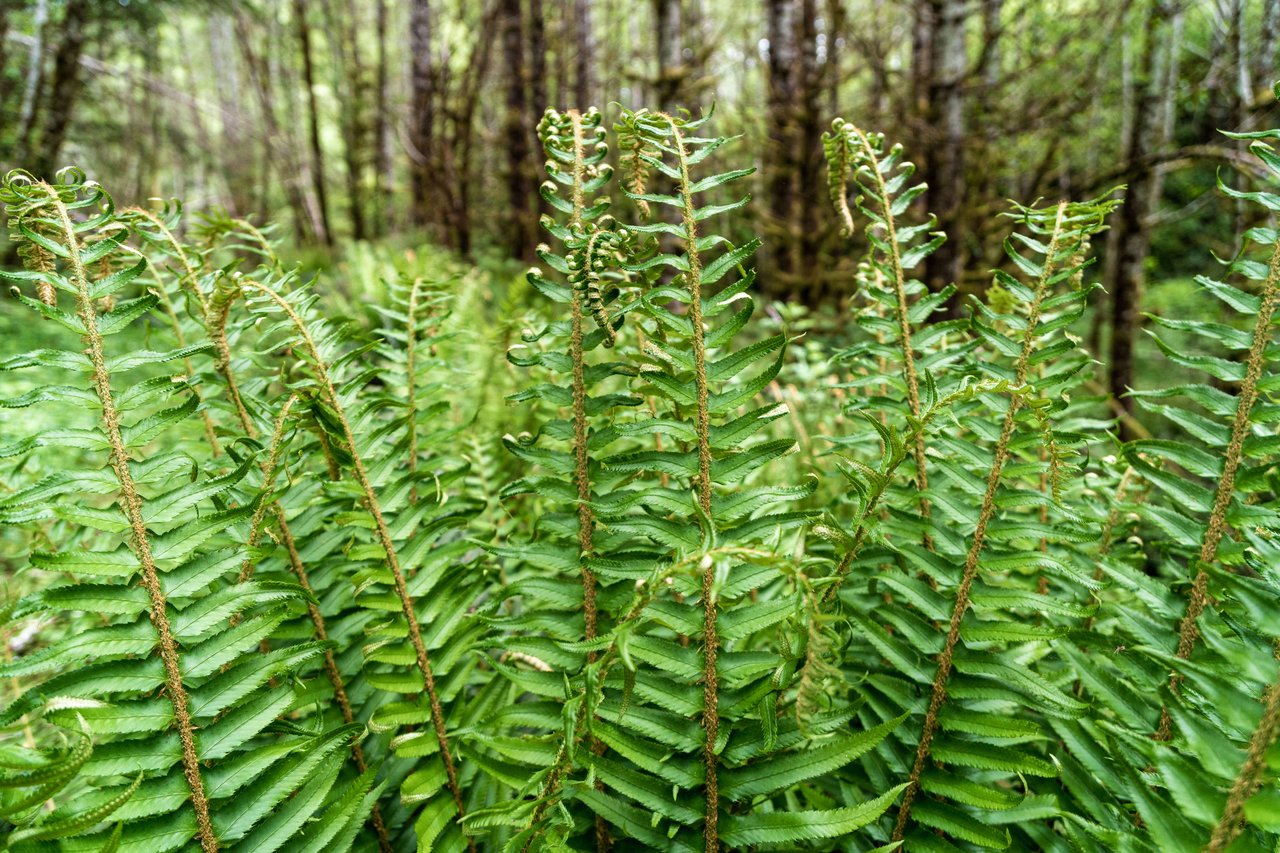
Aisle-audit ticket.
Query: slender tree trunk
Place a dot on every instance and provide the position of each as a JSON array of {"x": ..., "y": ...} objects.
[
  {"x": 1268, "y": 41},
  {"x": 537, "y": 60},
  {"x": 319, "y": 185},
  {"x": 945, "y": 170},
  {"x": 584, "y": 59},
  {"x": 808, "y": 155},
  {"x": 4, "y": 57},
  {"x": 463, "y": 119},
  {"x": 518, "y": 122},
  {"x": 1129, "y": 238},
  {"x": 780, "y": 154},
  {"x": 383, "y": 177},
  {"x": 65, "y": 91},
  {"x": 238, "y": 167},
  {"x": 280, "y": 153},
  {"x": 351, "y": 83},
  {"x": 422, "y": 108},
  {"x": 669, "y": 82},
  {"x": 34, "y": 82}
]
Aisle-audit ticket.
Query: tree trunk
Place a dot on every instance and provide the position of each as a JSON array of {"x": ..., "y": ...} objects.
[
  {"x": 280, "y": 153},
  {"x": 29, "y": 112},
  {"x": 668, "y": 84},
  {"x": 519, "y": 161},
  {"x": 384, "y": 179},
  {"x": 1264, "y": 72},
  {"x": 351, "y": 85},
  {"x": 780, "y": 153},
  {"x": 537, "y": 60},
  {"x": 66, "y": 88},
  {"x": 319, "y": 185},
  {"x": 1129, "y": 238},
  {"x": 422, "y": 108},
  {"x": 584, "y": 60},
  {"x": 806, "y": 232},
  {"x": 945, "y": 171}
]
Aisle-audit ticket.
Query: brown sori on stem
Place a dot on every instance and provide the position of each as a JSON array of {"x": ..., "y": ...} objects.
[
  {"x": 139, "y": 539},
  {"x": 899, "y": 282},
  {"x": 330, "y": 395},
  {"x": 1216, "y": 526},
  {"x": 702, "y": 485},
  {"x": 1250, "y": 775},
  {"x": 938, "y": 693},
  {"x": 581, "y": 468}
]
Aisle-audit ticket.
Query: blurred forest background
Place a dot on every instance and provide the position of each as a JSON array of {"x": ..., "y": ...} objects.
[{"x": 398, "y": 123}]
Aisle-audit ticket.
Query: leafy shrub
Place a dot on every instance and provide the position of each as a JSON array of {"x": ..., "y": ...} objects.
[{"x": 292, "y": 583}]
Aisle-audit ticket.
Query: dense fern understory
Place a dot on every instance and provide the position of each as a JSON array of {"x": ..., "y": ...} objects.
[{"x": 702, "y": 583}]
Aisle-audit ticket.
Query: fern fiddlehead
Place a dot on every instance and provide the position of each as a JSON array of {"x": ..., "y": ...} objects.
[{"x": 881, "y": 177}]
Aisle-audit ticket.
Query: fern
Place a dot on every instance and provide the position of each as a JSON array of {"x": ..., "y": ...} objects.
[{"x": 185, "y": 560}]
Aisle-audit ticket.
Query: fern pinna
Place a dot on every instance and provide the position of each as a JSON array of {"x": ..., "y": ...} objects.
[{"x": 159, "y": 562}]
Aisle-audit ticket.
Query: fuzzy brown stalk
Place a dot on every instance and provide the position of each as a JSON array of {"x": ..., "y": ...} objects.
[
  {"x": 268, "y": 474},
  {"x": 139, "y": 539},
  {"x": 938, "y": 693},
  {"x": 581, "y": 461},
  {"x": 384, "y": 538},
  {"x": 702, "y": 485},
  {"x": 216, "y": 313},
  {"x": 1250, "y": 776},
  {"x": 1216, "y": 526},
  {"x": 899, "y": 282}
]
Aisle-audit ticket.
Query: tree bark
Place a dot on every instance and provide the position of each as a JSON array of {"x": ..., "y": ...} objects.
[
  {"x": 781, "y": 176},
  {"x": 518, "y": 121},
  {"x": 584, "y": 58},
  {"x": 29, "y": 112},
  {"x": 422, "y": 108},
  {"x": 808, "y": 156},
  {"x": 66, "y": 88},
  {"x": 280, "y": 153},
  {"x": 537, "y": 60},
  {"x": 945, "y": 165},
  {"x": 669, "y": 82},
  {"x": 1264, "y": 72},
  {"x": 319, "y": 185},
  {"x": 1130, "y": 236},
  {"x": 384, "y": 179}
]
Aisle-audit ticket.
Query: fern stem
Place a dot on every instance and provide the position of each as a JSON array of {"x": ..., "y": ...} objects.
[
  {"x": 1188, "y": 632},
  {"x": 268, "y": 474},
  {"x": 216, "y": 314},
  {"x": 904, "y": 322},
  {"x": 710, "y": 636},
  {"x": 1250, "y": 775},
  {"x": 938, "y": 693},
  {"x": 384, "y": 538},
  {"x": 581, "y": 461},
  {"x": 140, "y": 540}
]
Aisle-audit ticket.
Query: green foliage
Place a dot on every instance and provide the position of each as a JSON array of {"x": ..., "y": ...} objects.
[{"x": 289, "y": 582}]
